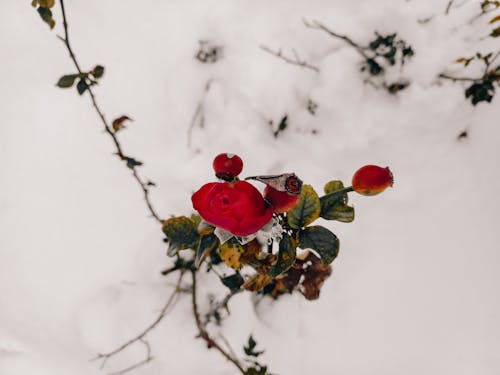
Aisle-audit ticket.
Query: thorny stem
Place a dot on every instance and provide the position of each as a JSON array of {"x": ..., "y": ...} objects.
[
  {"x": 141, "y": 337},
  {"x": 296, "y": 61},
  {"x": 202, "y": 332},
  {"x": 319, "y": 26},
  {"x": 142, "y": 183}
]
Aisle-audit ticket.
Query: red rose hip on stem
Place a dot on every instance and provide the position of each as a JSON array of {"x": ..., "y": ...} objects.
[
  {"x": 371, "y": 180},
  {"x": 227, "y": 166}
]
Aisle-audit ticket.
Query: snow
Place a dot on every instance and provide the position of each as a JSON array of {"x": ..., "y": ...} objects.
[{"x": 414, "y": 289}]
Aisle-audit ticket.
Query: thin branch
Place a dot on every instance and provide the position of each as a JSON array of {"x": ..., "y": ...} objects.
[
  {"x": 202, "y": 332},
  {"x": 148, "y": 358},
  {"x": 490, "y": 62},
  {"x": 448, "y": 7},
  {"x": 451, "y": 78},
  {"x": 119, "y": 151},
  {"x": 319, "y": 26},
  {"x": 140, "y": 337},
  {"x": 297, "y": 61},
  {"x": 198, "y": 113}
]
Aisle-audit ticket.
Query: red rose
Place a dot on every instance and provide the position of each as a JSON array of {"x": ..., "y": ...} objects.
[{"x": 236, "y": 207}]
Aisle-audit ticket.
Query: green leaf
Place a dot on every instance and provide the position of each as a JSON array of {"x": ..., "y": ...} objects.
[
  {"x": 131, "y": 162},
  {"x": 250, "y": 348},
  {"x": 208, "y": 243},
  {"x": 321, "y": 240},
  {"x": 81, "y": 86},
  {"x": 333, "y": 186},
  {"x": 233, "y": 282},
  {"x": 181, "y": 234},
  {"x": 286, "y": 256},
  {"x": 46, "y": 15},
  {"x": 66, "y": 81},
  {"x": 306, "y": 210},
  {"x": 495, "y": 32},
  {"x": 98, "y": 71},
  {"x": 334, "y": 203}
]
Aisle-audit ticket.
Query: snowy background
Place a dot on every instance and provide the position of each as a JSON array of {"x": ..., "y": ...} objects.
[{"x": 415, "y": 287}]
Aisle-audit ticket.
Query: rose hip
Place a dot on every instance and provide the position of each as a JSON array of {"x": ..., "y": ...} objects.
[
  {"x": 227, "y": 166},
  {"x": 371, "y": 180}
]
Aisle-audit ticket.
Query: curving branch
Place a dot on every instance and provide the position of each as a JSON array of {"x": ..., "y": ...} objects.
[
  {"x": 144, "y": 185},
  {"x": 142, "y": 336},
  {"x": 202, "y": 332},
  {"x": 319, "y": 26},
  {"x": 295, "y": 61}
]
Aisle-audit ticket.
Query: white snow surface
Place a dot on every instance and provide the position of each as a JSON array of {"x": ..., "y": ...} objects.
[{"x": 415, "y": 287}]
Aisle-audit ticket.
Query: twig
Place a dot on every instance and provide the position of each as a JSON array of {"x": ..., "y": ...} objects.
[
  {"x": 448, "y": 7},
  {"x": 467, "y": 79},
  {"x": 297, "y": 61},
  {"x": 490, "y": 62},
  {"x": 319, "y": 26},
  {"x": 202, "y": 332},
  {"x": 119, "y": 151},
  {"x": 140, "y": 337},
  {"x": 198, "y": 113},
  {"x": 148, "y": 358},
  {"x": 223, "y": 303}
]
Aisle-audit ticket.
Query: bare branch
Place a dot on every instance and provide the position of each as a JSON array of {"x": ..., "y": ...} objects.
[
  {"x": 199, "y": 113},
  {"x": 448, "y": 7},
  {"x": 451, "y": 78},
  {"x": 141, "y": 336},
  {"x": 296, "y": 61},
  {"x": 319, "y": 26},
  {"x": 119, "y": 150},
  {"x": 138, "y": 364},
  {"x": 202, "y": 332}
]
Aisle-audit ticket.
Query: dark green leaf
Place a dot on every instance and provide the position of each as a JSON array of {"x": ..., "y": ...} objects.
[
  {"x": 131, "y": 162},
  {"x": 207, "y": 244},
  {"x": 181, "y": 234},
  {"x": 495, "y": 32},
  {"x": 66, "y": 81},
  {"x": 233, "y": 282},
  {"x": 286, "y": 256},
  {"x": 46, "y": 15},
  {"x": 98, "y": 71},
  {"x": 306, "y": 210},
  {"x": 81, "y": 86},
  {"x": 334, "y": 203},
  {"x": 250, "y": 348},
  {"x": 480, "y": 92},
  {"x": 321, "y": 240}
]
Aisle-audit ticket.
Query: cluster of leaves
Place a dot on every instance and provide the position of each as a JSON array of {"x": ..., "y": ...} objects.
[
  {"x": 383, "y": 52},
  {"x": 301, "y": 260},
  {"x": 85, "y": 79},
  {"x": 255, "y": 368},
  {"x": 43, "y": 8},
  {"x": 482, "y": 89}
]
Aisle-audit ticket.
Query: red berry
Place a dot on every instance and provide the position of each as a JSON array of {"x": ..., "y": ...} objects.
[
  {"x": 227, "y": 166},
  {"x": 281, "y": 201},
  {"x": 371, "y": 180}
]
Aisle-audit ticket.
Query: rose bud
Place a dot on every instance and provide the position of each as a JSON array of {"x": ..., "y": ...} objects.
[
  {"x": 371, "y": 180},
  {"x": 235, "y": 207},
  {"x": 282, "y": 191},
  {"x": 227, "y": 166}
]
